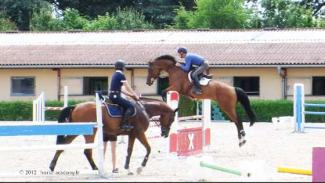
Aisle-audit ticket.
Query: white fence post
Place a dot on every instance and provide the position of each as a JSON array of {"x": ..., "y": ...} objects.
[
  {"x": 65, "y": 96},
  {"x": 100, "y": 145},
  {"x": 206, "y": 125}
]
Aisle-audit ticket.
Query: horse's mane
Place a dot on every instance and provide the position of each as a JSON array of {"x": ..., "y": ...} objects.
[{"x": 167, "y": 57}]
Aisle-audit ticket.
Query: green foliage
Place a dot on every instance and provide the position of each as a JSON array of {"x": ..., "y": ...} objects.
[
  {"x": 16, "y": 111},
  {"x": 214, "y": 14},
  {"x": 320, "y": 22},
  {"x": 73, "y": 20},
  {"x": 23, "y": 110},
  {"x": 182, "y": 18},
  {"x": 264, "y": 110},
  {"x": 6, "y": 24},
  {"x": 130, "y": 19},
  {"x": 187, "y": 107},
  {"x": 102, "y": 23},
  {"x": 286, "y": 14},
  {"x": 21, "y": 11}
]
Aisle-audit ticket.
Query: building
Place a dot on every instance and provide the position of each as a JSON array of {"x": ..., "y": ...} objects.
[{"x": 265, "y": 63}]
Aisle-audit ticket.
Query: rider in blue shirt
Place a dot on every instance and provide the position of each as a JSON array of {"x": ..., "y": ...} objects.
[
  {"x": 196, "y": 62},
  {"x": 119, "y": 84}
]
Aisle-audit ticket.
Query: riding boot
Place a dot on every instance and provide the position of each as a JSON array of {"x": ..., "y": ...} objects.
[
  {"x": 197, "y": 86},
  {"x": 124, "y": 122}
]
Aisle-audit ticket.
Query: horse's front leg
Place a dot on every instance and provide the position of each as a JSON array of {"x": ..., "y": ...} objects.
[
  {"x": 129, "y": 153},
  {"x": 143, "y": 139}
]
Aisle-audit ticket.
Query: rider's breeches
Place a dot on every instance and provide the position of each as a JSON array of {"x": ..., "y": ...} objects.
[
  {"x": 125, "y": 104},
  {"x": 200, "y": 70}
]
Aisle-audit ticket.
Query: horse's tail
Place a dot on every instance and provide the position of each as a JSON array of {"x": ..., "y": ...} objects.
[
  {"x": 64, "y": 116},
  {"x": 244, "y": 101}
]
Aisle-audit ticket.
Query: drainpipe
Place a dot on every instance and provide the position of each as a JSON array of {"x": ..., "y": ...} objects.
[
  {"x": 132, "y": 79},
  {"x": 283, "y": 74},
  {"x": 58, "y": 84}
]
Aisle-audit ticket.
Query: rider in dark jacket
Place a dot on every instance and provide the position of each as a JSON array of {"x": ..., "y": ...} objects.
[{"x": 119, "y": 84}]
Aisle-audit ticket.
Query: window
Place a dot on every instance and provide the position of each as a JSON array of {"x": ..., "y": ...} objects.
[
  {"x": 93, "y": 84},
  {"x": 251, "y": 85},
  {"x": 22, "y": 86},
  {"x": 318, "y": 86}
]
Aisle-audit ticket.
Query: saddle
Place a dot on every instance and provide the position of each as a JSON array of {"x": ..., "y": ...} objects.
[
  {"x": 114, "y": 110},
  {"x": 203, "y": 78}
]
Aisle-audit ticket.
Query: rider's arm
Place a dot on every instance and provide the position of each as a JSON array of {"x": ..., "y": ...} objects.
[
  {"x": 127, "y": 90},
  {"x": 186, "y": 67}
]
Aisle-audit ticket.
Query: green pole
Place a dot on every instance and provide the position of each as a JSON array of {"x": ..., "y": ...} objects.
[{"x": 235, "y": 172}]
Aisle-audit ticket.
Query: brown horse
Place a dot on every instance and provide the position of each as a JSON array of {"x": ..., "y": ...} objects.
[
  {"x": 227, "y": 96},
  {"x": 145, "y": 109}
]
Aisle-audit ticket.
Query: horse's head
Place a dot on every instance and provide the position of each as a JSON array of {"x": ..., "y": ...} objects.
[
  {"x": 153, "y": 73},
  {"x": 155, "y": 67},
  {"x": 166, "y": 122}
]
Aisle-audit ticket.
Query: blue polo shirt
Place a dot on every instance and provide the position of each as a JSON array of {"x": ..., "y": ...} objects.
[
  {"x": 117, "y": 81},
  {"x": 192, "y": 59}
]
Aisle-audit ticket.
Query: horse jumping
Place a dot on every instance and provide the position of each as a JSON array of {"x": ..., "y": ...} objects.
[
  {"x": 85, "y": 112},
  {"x": 227, "y": 96}
]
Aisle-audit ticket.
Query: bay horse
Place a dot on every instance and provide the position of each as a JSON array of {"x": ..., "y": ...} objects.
[
  {"x": 145, "y": 109},
  {"x": 225, "y": 95}
]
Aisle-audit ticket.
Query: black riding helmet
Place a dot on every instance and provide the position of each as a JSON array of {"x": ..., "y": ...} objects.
[
  {"x": 119, "y": 64},
  {"x": 182, "y": 50}
]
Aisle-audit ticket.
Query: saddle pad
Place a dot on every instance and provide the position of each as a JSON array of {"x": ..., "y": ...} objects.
[{"x": 115, "y": 111}]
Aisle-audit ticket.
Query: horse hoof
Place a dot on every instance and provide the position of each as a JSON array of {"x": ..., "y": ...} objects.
[
  {"x": 242, "y": 143},
  {"x": 52, "y": 167}
]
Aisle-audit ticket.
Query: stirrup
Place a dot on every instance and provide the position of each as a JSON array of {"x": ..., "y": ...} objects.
[
  {"x": 126, "y": 127},
  {"x": 207, "y": 76}
]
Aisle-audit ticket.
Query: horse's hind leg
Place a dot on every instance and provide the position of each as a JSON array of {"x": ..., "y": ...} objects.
[
  {"x": 63, "y": 140},
  {"x": 232, "y": 114},
  {"x": 143, "y": 139},
  {"x": 89, "y": 152}
]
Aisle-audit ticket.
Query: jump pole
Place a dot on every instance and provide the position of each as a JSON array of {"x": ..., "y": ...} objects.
[
  {"x": 294, "y": 171},
  {"x": 222, "y": 169}
]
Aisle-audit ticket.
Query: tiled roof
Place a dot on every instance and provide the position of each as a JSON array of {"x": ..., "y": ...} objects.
[{"x": 55, "y": 50}]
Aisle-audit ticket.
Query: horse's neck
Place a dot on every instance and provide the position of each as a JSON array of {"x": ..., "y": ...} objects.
[
  {"x": 177, "y": 77},
  {"x": 152, "y": 109}
]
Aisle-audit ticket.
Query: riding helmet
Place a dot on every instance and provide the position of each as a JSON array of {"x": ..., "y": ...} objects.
[
  {"x": 182, "y": 49},
  {"x": 119, "y": 64}
]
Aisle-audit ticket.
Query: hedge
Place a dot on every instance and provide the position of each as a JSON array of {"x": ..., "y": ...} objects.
[{"x": 264, "y": 109}]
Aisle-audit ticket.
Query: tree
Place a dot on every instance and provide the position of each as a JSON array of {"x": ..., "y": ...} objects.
[
  {"x": 93, "y": 8},
  {"x": 21, "y": 11},
  {"x": 6, "y": 24},
  {"x": 215, "y": 14},
  {"x": 159, "y": 12},
  {"x": 286, "y": 14},
  {"x": 315, "y": 5},
  {"x": 125, "y": 19}
]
